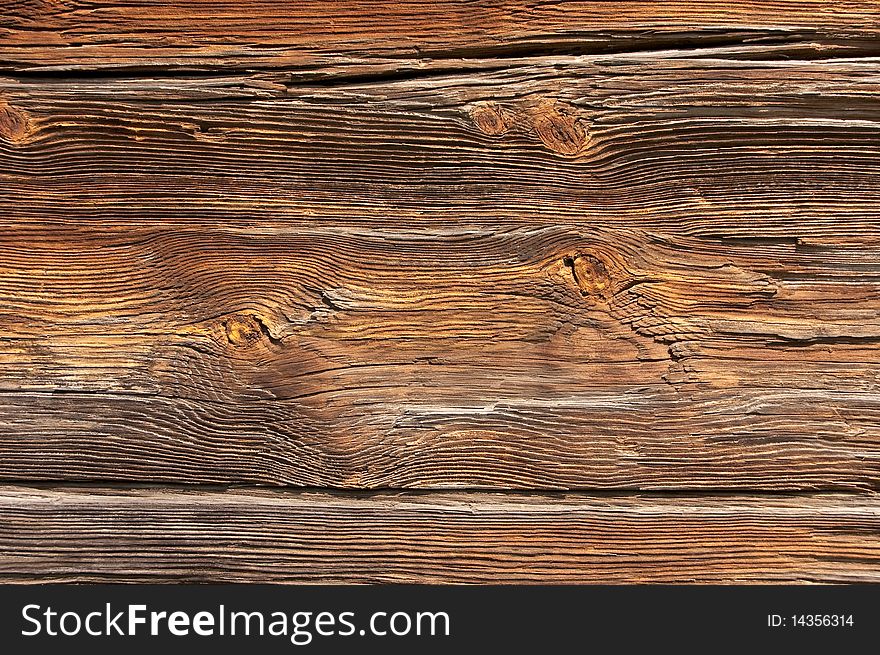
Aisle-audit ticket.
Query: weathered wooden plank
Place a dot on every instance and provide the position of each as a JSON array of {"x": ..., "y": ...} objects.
[
  {"x": 98, "y": 535},
  {"x": 538, "y": 358},
  {"x": 713, "y": 148},
  {"x": 77, "y": 34}
]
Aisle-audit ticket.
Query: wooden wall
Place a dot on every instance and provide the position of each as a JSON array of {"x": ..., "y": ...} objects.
[{"x": 447, "y": 291}]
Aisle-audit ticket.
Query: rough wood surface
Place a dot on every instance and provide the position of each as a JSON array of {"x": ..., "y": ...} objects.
[
  {"x": 526, "y": 358},
  {"x": 510, "y": 245},
  {"x": 741, "y": 153},
  {"x": 625, "y": 274},
  {"x": 235, "y": 536},
  {"x": 313, "y": 34}
]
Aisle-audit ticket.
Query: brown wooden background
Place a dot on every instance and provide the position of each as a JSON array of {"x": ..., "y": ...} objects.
[{"x": 440, "y": 291}]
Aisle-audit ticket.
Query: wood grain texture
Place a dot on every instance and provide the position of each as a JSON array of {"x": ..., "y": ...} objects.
[
  {"x": 706, "y": 147},
  {"x": 311, "y": 35},
  {"x": 510, "y": 245},
  {"x": 237, "y": 536},
  {"x": 606, "y": 274},
  {"x": 529, "y": 358}
]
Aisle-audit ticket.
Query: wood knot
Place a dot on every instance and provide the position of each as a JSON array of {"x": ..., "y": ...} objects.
[
  {"x": 558, "y": 128},
  {"x": 591, "y": 276},
  {"x": 243, "y": 331},
  {"x": 15, "y": 124},
  {"x": 490, "y": 118}
]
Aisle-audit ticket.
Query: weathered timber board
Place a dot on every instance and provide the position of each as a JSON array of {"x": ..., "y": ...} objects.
[
  {"x": 525, "y": 358},
  {"x": 313, "y": 36},
  {"x": 707, "y": 147},
  {"x": 100, "y": 535}
]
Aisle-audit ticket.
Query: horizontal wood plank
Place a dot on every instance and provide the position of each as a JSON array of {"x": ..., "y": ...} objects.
[
  {"x": 542, "y": 358},
  {"x": 716, "y": 149},
  {"x": 99, "y": 535},
  {"x": 305, "y": 35}
]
